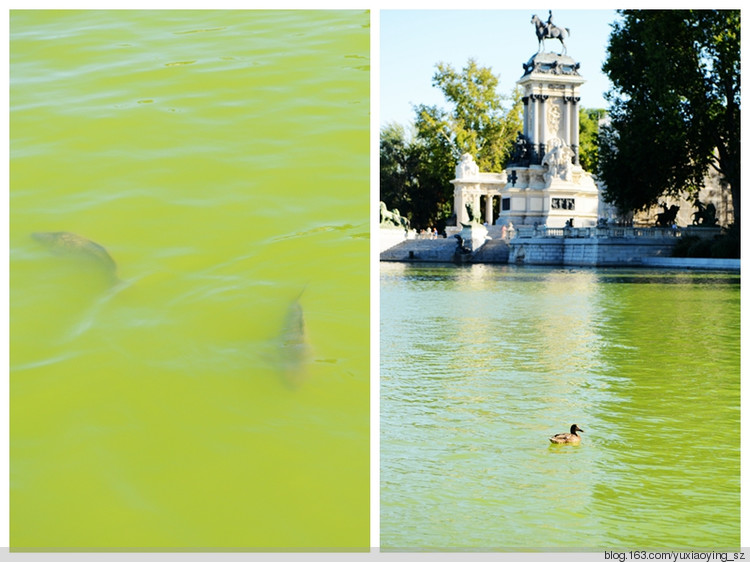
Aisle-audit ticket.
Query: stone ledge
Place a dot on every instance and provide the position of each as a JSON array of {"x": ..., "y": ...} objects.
[
  {"x": 440, "y": 250},
  {"x": 692, "y": 263}
]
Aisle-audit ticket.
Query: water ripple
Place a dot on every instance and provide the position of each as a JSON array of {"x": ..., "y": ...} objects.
[{"x": 480, "y": 365}]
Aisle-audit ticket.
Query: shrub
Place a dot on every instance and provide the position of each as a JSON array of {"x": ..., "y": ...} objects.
[
  {"x": 725, "y": 246},
  {"x": 728, "y": 244},
  {"x": 683, "y": 245},
  {"x": 700, "y": 249}
]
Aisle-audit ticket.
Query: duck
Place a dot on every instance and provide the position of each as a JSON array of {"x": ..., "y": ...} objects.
[{"x": 571, "y": 437}]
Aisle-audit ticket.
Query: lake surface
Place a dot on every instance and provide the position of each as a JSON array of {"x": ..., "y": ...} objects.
[
  {"x": 222, "y": 158},
  {"x": 480, "y": 364}
]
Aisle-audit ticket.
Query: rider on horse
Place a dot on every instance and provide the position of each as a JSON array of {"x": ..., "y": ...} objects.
[
  {"x": 549, "y": 26},
  {"x": 548, "y": 30}
]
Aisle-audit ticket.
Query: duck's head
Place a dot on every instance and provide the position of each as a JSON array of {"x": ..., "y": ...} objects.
[{"x": 574, "y": 428}]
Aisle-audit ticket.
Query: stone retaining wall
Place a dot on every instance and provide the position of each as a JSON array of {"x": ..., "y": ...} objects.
[
  {"x": 440, "y": 250},
  {"x": 390, "y": 237},
  {"x": 633, "y": 247},
  {"x": 588, "y": 251}
]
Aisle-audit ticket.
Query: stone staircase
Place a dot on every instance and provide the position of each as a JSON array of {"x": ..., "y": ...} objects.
[
  {"x": 492, "y": 251},
  {"x": 439, "y": 250}
]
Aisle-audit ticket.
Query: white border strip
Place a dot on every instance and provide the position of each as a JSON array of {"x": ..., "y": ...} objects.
[{"x": 374, "y": 279}]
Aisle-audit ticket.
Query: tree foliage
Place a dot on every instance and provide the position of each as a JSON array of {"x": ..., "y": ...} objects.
[
  {"x": 588, "y": 141},
  {"x": 477, "y": 122},
  {"x": 398, "y": 164},
  {"x": 412, "y": 174},
  {"x": 674, "y": 105},
  {"x": 415, "y": 173}
]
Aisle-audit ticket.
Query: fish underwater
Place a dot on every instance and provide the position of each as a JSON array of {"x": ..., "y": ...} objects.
[
  {"x": 88, "y": 253},
  {"x": 292, "y": 346}
]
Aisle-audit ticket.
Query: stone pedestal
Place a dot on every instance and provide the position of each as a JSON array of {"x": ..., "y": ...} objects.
[
  {"x": 390, "y": 237},
  {"x": 473, "y": 235},
  {"x": 544, "y": 183},
  {"x": 547, "y": 186}
]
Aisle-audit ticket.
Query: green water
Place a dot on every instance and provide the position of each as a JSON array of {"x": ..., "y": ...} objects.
[
  {"x": 480, "y": 364},
  {"x": 222, "y": 158}
]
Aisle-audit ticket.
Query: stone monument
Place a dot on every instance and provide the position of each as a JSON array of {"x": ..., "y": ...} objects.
[{"x": 544, "y": 183}]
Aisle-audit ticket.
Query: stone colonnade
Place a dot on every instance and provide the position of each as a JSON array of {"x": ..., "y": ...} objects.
[
  {"x": 541, "y": 122},
  {"x": 470, "y": 190}
]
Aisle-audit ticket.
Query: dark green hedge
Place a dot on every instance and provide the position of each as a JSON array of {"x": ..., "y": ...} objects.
[{"x": 726, "y": 245}]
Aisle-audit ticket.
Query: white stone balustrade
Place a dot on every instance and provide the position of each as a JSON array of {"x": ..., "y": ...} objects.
[{"x": 612, "y": 232}]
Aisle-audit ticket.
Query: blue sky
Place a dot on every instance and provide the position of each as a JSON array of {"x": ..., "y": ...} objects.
[{"x": 412, "y": 42}]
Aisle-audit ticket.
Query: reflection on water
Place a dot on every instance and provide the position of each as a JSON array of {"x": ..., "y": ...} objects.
[
  {"x": 222, "y": 159},
  {"x": 480, "y": 364}
]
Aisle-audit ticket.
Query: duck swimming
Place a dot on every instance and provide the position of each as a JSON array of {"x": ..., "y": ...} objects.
[{"x": 571, "y": 437}]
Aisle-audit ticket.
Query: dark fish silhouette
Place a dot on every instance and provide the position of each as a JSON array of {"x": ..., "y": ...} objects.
[
  {"x": 74, "y": 245},
  {"x": 293, "y": 349}
]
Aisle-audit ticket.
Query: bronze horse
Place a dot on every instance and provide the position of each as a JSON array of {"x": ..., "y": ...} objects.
[
  {"x": 705, "y": 215},
  {"x": 550, "y": 31},
  {"x": 668, "y": 216}
]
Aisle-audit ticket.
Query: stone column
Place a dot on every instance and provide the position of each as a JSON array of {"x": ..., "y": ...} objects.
[
  {"x": 525, "y": 101},
  {"x": 536, "y": 127},
  {"x": 488, "y": 209},
  {"x": 568, "y": 118},
  {"x": 532, "y": 119},
  {"x": 576, "y": 127},
  {"x": 459, "y": 205},
  {"x": 542, "y": 126}
]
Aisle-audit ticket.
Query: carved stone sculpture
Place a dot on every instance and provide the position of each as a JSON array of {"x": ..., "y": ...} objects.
[
  {"x": 391, "y": 219},
  {"x": 559, "y": 161},
  {"x": 467, "y": 168},
  {"x": 521, "y": 152}
]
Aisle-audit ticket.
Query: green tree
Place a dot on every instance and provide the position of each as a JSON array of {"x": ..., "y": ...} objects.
[
  {"x": 398, "y": 165},
  {"x": 477, "y": 121},
  {"x": 588, "y": 139},
  {"x": 433, "y": 196},
  {"x": 415, "y": 173},
  {"x": 674, "y": 105},
  {"x": 412, "y": 176}
]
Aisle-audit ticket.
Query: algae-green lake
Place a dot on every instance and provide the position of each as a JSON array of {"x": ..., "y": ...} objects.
[
  {"x": 222, "y": 159},
  {"x": 481, "y": 364}
]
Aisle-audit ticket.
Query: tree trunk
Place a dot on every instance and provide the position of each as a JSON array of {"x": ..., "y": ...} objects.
[{"x": 729, "y": 167}]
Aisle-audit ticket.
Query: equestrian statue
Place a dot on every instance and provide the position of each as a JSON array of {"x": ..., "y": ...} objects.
[{"x": 548, "y": 30}]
